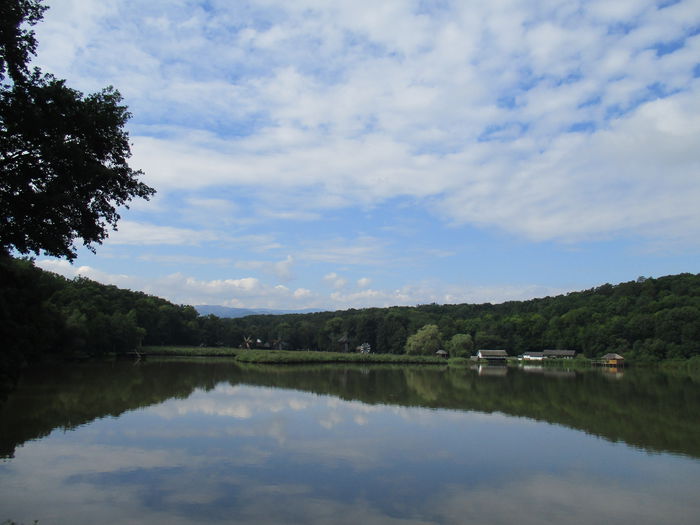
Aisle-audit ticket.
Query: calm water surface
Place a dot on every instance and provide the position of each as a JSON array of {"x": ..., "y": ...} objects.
[{"x": 197, "y": 441}]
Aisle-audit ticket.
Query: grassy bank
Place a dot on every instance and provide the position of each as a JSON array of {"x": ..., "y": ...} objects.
[
  {"x": 287, "y": 356},
  {"x": 191, "y": 351},
  {"x": 300, "y": 356}
]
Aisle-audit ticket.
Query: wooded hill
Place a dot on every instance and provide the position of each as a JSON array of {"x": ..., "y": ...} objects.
[{"x": 647, "y": 319}]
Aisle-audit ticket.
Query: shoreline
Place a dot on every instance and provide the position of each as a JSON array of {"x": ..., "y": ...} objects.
[
  {"x": 242, "y": 355},
  {"x": 288, "y": 356}
]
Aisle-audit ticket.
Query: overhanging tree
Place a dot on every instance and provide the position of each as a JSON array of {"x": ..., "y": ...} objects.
[
  {"x": 63, "y": 155},
  {"x": 17, "y": 41}
]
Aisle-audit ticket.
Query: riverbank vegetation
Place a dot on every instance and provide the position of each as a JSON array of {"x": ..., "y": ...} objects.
[
  {"x": 190, "y": 351},
  {"x": 241, "y": 355},
  {"x": 646, "y": 320},
  {"x": 288, "y": 357}
]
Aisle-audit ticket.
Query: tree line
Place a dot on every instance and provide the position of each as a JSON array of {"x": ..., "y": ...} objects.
[
  {"x": 647, "y": 319},
  {"x": 44, "y": 315}
]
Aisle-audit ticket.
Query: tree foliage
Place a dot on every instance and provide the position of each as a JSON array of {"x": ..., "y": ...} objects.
[
  {"x": 45, "y": 315},
  {"x": 425, "y": 341},
  {"x": 461, "y": 345},
  {"x": 653, "y": 320},
  {"x": 63, "y": 155},
  {"x": 17, "y": 42}
]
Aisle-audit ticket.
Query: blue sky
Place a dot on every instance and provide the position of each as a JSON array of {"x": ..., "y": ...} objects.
[{"x": 338, "y": 154}]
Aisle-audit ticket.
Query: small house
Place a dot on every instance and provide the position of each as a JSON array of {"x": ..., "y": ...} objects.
[
  {"x": 442, "y": 353},
  {"x": 533, "y": 356},
  {"x": 492, "y": 355},
  {"x": 613, "y": 359}
]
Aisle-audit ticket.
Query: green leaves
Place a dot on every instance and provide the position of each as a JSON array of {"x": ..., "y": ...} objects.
[
  {"x": 17, "y": 43},
  {"x": 63, "y": 155},
  {"x": 425, "y": 341}
]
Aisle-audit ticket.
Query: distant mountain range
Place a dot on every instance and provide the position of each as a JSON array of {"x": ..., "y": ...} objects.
[{"x": 231, "y": 313}]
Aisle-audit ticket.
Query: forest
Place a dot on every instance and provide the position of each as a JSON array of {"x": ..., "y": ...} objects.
[{"x": 648, "y": 319}]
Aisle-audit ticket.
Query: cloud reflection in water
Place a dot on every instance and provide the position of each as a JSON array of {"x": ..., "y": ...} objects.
[{"x": 264, "y": 455}]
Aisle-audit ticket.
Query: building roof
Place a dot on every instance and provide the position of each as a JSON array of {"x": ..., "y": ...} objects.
[
  {"x": 534, "y": 354},
  {"x": 441, "y": 352},
  {"x": 612, "y": 356},
  {"x": 559, "y": 353},
  {"x": 493, "y": 353}
]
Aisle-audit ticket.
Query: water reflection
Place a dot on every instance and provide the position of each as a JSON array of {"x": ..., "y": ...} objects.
[
  {"x": 612, "y": 372},
  {"x": 245, "y": 453},
  {"x": 647, "y": 409},
  {"x": 548, "y": 371},
  {"x": 492, "y": 370}
]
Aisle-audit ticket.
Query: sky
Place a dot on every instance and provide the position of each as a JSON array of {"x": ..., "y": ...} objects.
[{"x": 346, "y": 154}]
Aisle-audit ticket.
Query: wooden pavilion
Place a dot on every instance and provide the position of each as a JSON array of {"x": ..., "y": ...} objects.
[{"x": 612, "y": 359}]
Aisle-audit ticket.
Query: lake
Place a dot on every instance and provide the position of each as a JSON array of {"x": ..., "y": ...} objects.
[{"x": 208, "y": 441}]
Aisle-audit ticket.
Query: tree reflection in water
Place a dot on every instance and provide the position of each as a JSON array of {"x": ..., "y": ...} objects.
[
  {"x": 197, "y": 441},
  {"x": 645, "y": 408}
]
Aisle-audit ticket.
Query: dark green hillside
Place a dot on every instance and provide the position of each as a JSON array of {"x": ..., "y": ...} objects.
[
  {"x": 43, "y": 314},
  {"x": 647, "y": 319}
]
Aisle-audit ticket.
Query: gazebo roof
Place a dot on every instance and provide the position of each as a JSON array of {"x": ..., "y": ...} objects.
[{"x": 612, "y": 356}]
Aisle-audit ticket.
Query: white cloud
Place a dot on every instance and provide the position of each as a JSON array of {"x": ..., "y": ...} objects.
[
  {"x": 561, "y": 121},
  {"x": 362, "y": 250},
  {"x": 335, "y": 280},
  {"x": 71, "y": 271},
  {"x": 560, "y": 498},
  {"x": 183, "y": 289},
  {"x": 250, "y": 292},
  {"x": 239, "y": 402},
  {"x": 283, "y": 269},
  {"x": 636, "y": 176},
  {"x": 302, "y": 293},
  {"x": 308, "y": 114},
  {"x": 139, "y": 233},
  {"x": 436, "y": 292},
  {"x": 212, "y": 212},
  {"x": 186, "y": 259},
  {"x": 245, "y": 292},
  {"x": 364, "y": 282}
]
